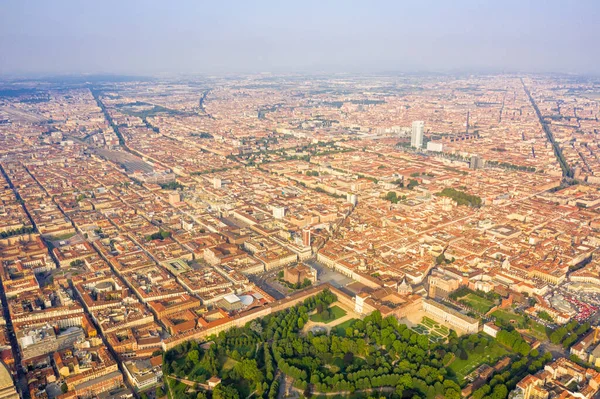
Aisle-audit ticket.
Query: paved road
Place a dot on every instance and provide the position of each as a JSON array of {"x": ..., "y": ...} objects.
[
  {"x": 21, "y": 377},
  {"x": 110, "y": 349},
  {"x": 556, "y": 350},
  {"x": 566, "y": 169}
]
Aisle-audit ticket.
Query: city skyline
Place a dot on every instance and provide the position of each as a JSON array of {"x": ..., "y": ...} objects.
[
  {"x": 445, "y": 229},
  {"x": 209, "y": 200}
]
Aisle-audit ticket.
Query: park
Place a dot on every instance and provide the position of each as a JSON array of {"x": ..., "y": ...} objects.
[{"x": 353, "y": 357}]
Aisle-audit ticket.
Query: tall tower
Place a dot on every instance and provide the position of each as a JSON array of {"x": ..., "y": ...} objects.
[
  {"x": 416, "y": 137},
  {"x": 306, "y": 237}
]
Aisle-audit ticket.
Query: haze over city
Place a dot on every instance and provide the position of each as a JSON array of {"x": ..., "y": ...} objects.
[
  {"x": 194, "y": 37},
  {"x": 269, "y": 200}
]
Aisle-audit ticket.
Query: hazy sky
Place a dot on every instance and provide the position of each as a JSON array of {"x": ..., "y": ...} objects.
[{"x": 154, "y": 37}]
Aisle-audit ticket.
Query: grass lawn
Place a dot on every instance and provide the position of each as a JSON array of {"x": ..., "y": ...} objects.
[
  {"x": 334, "y": 313},
  {"x": 537, "y": 330},
  {"x": 533, "y": 328},
  {"x": 421, "y": 329},
  {"x": 435, "y": 331},
  {"x": 340, "y": 329},
  {"x": 478, "y": 303},
  {"x": 229, "y": 363},
  {"x": 61, "y": 237},
  {"x": 492, "y": 354},
  {"x": 428, "y": 322},
  {"x": 506, "y": 316},
  {"x": 177, "y": 388}
]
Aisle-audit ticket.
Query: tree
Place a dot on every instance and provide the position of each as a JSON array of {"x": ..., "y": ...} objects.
[
  {"x": 319, "y": 308},
  {"x": 160, "y": 235},
  {"x": 583, "y": 328},
  {"x": 558, "y": 335},
  {"x": 524, "y": 348},
  {"x": 392, "y": 197},
  {"x": 193, "y": 356},
  {"x": 545, "y": 316},
  {"x": 448, "y": 358},
  {"x": 440, "y": 259},
  {"x": 461, "y": 197},
  {"x": 569, "y": 340},
  {"x": 348, "y": 358},
  {"x": 500, "y": 392},
  {"x": 307, "y": 392},
  {"x": 394, "y": 357},
  {"x": 248, "y": 369},
  {"x": 225, "y": 392},
  {"x": 412, "y": 184}
]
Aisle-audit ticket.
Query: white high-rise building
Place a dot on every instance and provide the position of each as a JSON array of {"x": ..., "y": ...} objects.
[{"x": 416, "y": 137}]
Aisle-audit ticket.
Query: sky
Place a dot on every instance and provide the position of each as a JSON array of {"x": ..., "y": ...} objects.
[{"x": 149, "y": 37}]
